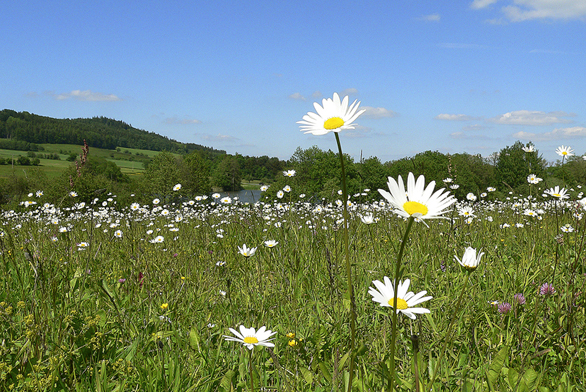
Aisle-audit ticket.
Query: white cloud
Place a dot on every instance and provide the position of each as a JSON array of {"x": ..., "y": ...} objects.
[
  {"x": 86, "y": 95},
  {"x": 527, "y": 117},
  {"x": 297, "y": 96},
  {"x": 175, "y": 120},
  {"x": 454, "y": 117},
  {"x": 348, "y": 91},
  {"x": 522, "y": 10},
  {"x": 316, "y": 94},
  {"x": 361, "y": 132},
  {"x": 430, "y": 18},
  {"x": 463, "y": 135},
  {"x": 477, "y": 4},
  {"x": 218, "y": 138},
  {"x": 475, "y": 127},
  {"x": 377, "y": 112},
  {"x": 545, "y": 9},
  {"x": 546, "y": 51},
  {"x": 556, "y": 134}
]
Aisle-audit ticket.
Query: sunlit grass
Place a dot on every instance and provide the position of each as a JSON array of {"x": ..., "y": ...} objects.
[{"x": 134, "y": 315}]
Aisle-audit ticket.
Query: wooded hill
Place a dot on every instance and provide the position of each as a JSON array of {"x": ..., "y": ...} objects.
[{"x": 101, "y": 132}]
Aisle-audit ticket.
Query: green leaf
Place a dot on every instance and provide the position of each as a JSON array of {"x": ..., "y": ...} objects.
[
  {"x": 307, "y": 375},
  {"x": 512, "y": 378},
  {"x": 325, "y": 372},
  {"x": 194, "y": 339},
  {"x": 530, "y": 378},
  {"x": 495, "y": 367},
  {"x": 226, "y": 382}
]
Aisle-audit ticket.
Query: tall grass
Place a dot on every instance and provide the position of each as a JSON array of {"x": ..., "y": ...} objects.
[{"x": 93, "y": 317}]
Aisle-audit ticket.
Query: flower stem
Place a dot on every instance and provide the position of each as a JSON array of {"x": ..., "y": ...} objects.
[
  {"x": 348, "y": 266},
  {"x": 437, "y": 364},
  {"x": 251, "y": 375},
  {"x": 394, "y": 326}
]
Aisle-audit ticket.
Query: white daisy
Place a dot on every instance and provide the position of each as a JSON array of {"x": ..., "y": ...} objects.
[
  {"x": 564, "y": 151},
  {"x": 557, "y": 192},
  {"x": 333, "y": 116},
  {"x": 250, "y": 337},
  {"x": 245, "y": 251},
  {"x": 419, "y": 201},
  {"x": 385, "y": 295},
  {"x": 271, "y": 243},
  {"x": 533, "y": 179},
  {"x": 367, "y": 219},
  {"x": 470, "y": 260}
]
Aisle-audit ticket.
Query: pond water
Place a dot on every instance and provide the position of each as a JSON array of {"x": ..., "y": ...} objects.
[{"x": 244, "y": 196}]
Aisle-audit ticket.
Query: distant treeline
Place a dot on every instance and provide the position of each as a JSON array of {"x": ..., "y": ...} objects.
[{"x": 23, "y": 127}]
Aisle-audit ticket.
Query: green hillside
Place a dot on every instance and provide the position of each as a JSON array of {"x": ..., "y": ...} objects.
[
  {"x": 20, "y": 129},
  {"x": 130, "y": 161}
]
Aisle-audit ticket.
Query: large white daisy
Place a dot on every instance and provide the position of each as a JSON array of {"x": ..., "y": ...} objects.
[
  {"x": 250, "y": 337},
  {"x": 557, "y": 192},
  {"x": 333, "y": 116},
  {"x": 418, "y": 201},
  {"x": 384, "y": 294},
  {"x": 564, "y": 151}
]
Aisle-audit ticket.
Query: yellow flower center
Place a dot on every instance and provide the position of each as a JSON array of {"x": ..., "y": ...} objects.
[
  {"x": 556, "y": 195},
  {"x": 414, "y": 207},
  {"x": 564, "y": 153},
  {"x": 250, "y": 340},
  {"x": 401, "y": 303},
  {"x": 333, "y": 123}
]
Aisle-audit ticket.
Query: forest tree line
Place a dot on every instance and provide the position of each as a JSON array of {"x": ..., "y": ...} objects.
[
  {"x": 317, "y": 175},
  {"x": 202, "y": 169}
]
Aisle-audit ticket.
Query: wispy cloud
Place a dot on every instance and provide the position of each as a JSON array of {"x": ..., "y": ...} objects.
[
  {"x": 86, "y": 95},
  {"x": 217, "y": 138},
  {"x": 478, "y": 4},
  {"x": 522, "y": 10},
  {"x": 464, "y": 135},
  {"x": 372, "y": 112},
  {"x": 316, "y": 94},
  {"x": 455, "y": 117},
  {"x": 297, "y": 97},
  {"x": 545, "y": 9},
  {"x": 556, "y": 134},
  {"x": 361, "y": 132},
  {"x": 430, "y": 18},
  {"x": 527, "y": 117},
  {"x": 184, "y": 121},
  {"x": 474, "y": 127},
  {"x": 545, "y": 51},
  {"x": 348, "y": 91}
]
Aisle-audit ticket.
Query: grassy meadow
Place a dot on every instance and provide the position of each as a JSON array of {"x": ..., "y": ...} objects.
[
  {"x": 99, "y": 298},
  {"x": 129, "y": 160}
]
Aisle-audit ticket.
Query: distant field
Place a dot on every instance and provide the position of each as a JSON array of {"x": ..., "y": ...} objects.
[{"x": 130, "y": 160}]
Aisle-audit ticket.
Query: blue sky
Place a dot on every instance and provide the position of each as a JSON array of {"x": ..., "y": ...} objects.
[{"x": 452, "y": 76}]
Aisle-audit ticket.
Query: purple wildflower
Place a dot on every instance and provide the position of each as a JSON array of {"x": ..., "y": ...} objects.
[
  {"x": 121, "y": 280},
  {"x": 519, "y": 298},
  {"x": 546, "y": 289},
  {"x": 504, "y": 308}
]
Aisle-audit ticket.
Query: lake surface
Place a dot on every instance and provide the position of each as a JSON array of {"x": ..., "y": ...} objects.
[{"x": 244, "y": 196}]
